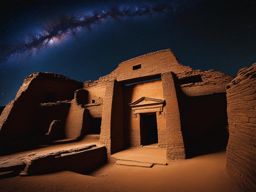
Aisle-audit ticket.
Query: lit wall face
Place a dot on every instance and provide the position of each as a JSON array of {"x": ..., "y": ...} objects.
[
  {"x": 150, "y": 89},
  {"x": 96, "y": 93},
  {"x": 133, "y": 127},
  {"x": 148, "y": 65}
]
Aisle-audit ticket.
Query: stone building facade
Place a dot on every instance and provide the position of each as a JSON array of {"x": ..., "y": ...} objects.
[{"x": 148, "y": 100}]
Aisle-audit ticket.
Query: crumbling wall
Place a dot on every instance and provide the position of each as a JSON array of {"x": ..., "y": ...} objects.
[
  {"x": 96, "y": 91},
  {"x": 106, "y": 123},
  {"x": 198, "y": 83},
  {"x": 241, "y": 150},
  {"x": 18, "y": 121},
  {"x": 202, "y": 99},
  {"x": 78, "y": 159}
]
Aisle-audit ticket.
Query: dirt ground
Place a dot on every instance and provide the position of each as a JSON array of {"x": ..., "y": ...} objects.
[{"x": 204, "y": 173}]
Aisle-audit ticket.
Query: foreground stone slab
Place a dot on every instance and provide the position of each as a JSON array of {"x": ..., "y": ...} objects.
[
  {"x": 74, "y": 157},
  {"x": 134, "y": 163},
  {"x": 11, "y": 168},
  {"x": 81, "y": 160},
  {"x": 155, "y": 156}
]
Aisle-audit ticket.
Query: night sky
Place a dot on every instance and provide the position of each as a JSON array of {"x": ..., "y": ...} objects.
[{"x": 87, "y": 39}]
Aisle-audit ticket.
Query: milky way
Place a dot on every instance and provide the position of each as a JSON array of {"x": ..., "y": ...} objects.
[{"x": 69, "y": 25}]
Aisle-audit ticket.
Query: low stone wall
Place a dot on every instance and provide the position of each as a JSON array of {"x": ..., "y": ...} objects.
[
  {"x": 241, "y": 150},
  {"x": 198, "y": 83},
  {"x": 81, "y": 161}
]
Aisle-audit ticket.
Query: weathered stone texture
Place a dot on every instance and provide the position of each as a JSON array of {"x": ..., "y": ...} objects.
[
  {"x": 147, "y": 65},
  {"x": 112, "y": 125},
  {"x": 198, "y": 83},
  {"x": 82, "y": 160},
  {"x": 143, "y": 101},
  {"x": 175, "y": 143},
  {"x": 96, "y": 92},
  {"x": 18, "y": 121},
  {"x": 241, "y": 150},
  {"x": 105, "y": 134}
]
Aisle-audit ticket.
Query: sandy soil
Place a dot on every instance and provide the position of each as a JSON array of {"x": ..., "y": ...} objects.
[{"x": 204, "y": 173}]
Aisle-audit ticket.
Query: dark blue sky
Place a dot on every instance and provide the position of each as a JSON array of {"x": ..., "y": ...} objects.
[{"x": 204, "y": 34}]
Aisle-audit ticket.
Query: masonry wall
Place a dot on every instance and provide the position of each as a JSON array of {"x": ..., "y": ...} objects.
[
  {"x": 134, "y": 92},
  {"x": 175, "y": 143},
  {"x": 147, "y": 65},
  {"x": 96, "y": 92},
  {"x": 202, "y": 98},
  {"x": 18, "y": 120},
  {"x": 199, "y": 83},
  {"x": 241, "y": 150}
]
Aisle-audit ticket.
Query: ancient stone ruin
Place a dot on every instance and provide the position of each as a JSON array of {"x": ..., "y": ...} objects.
[
  {"x": 241, "y": 150},
  {"x": 31, "y": 117},
  {"x": 149, "y": 100}
]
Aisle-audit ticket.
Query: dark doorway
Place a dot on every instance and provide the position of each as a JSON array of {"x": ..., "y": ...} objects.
[
  {"x": 94, "y": 124},
  {"x": 148, "y": 128}
]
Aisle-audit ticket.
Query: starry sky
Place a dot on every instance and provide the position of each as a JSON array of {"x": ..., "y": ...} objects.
[{"x": 86, "y": 39}]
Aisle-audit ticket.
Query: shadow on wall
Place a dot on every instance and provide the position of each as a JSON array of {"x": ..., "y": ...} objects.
[
  {"x": 204, "y": 123},
  {"x": 92, "y": 124},
  {"x": 49, "y": 113}
]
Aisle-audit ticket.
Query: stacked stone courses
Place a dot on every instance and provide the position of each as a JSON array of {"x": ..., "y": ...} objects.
[{"x": 241, "y": 107}]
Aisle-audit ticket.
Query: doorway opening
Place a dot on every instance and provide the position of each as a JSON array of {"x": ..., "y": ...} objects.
[
  {"x": 94, "y": 124},
  {"x": 148, "y": 129}
]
